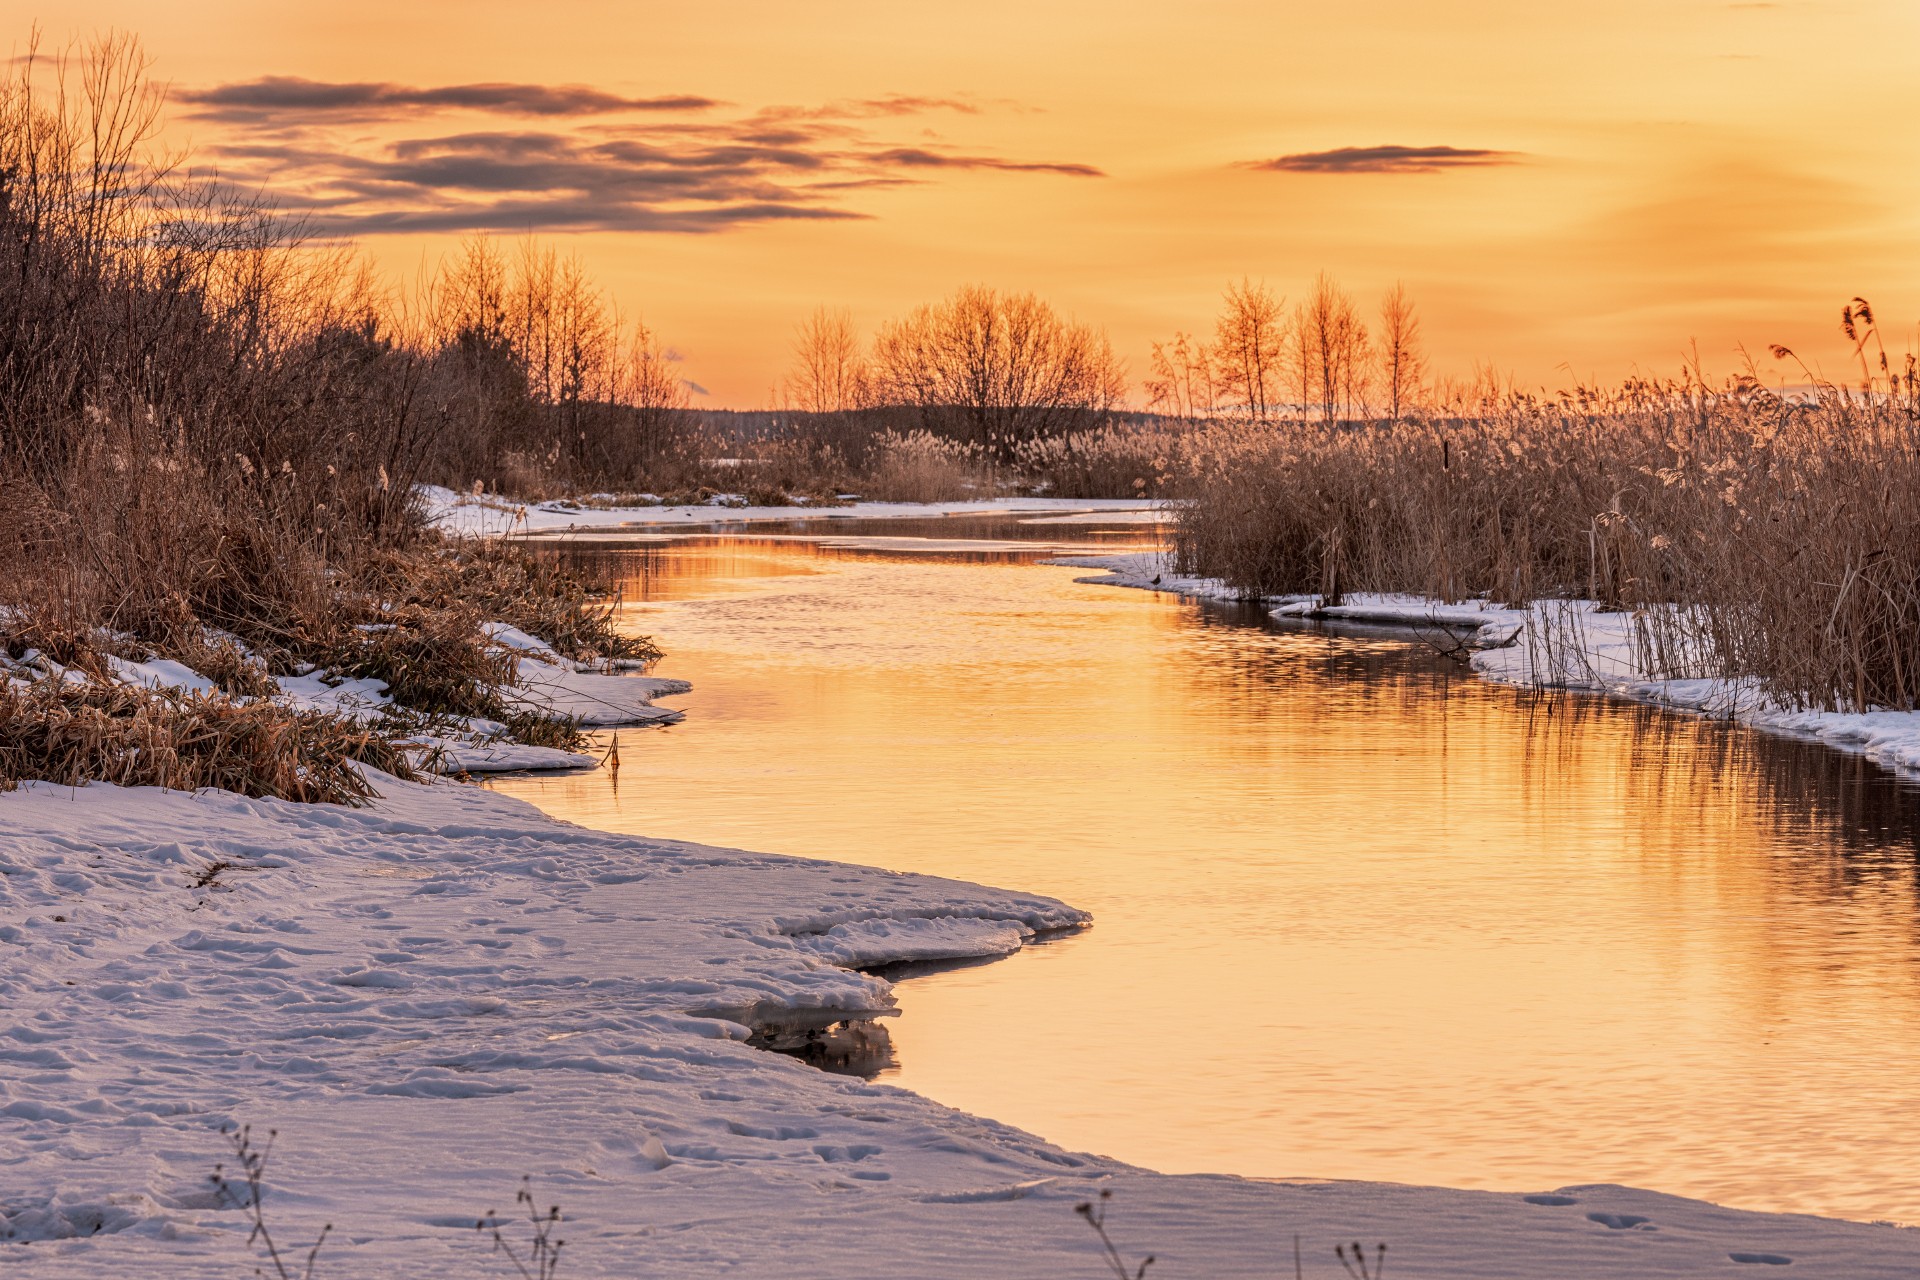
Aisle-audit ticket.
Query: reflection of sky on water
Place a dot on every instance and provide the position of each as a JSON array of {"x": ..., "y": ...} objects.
[{"x": 1359, "y": 914}]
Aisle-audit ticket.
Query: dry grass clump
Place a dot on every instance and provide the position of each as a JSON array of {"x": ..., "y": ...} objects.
[
  {"x": 918, "y": 466},
  {"x": 502, "y": 582},
  {"x": 1753, "y": 534},
  {"x": 210, "y": 438},
  {"x": 434, "y": 661},
  {"x": 72, "y": 732},
  {"x": 234, "y": 670},
  {"x": 1113, "y": 461}
]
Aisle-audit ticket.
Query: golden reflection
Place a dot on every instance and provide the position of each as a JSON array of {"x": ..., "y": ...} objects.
[{"x": 1359, "y": 914}]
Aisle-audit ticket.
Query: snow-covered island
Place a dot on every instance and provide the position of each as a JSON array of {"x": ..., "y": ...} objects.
[{"x": 431, "y": 997}]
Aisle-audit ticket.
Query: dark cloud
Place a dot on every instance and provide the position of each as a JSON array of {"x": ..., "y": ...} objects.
[
  {"x": 272, "y": 99},
  {"x": 604, "y": 174},
  {"x": 1385, "y": 159}
]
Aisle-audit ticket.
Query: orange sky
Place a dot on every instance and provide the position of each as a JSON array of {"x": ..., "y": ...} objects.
[{"x": 1665, "y": 170}]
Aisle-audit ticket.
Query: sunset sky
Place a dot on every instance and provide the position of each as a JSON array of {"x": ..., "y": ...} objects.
[{"x": 1564, "y": 189}]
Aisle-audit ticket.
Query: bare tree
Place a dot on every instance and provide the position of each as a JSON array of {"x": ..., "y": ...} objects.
[
  {"x": 997, "y": 369},
  {"x": 1330, "y": 352},
  {"x": 1181, "y": 378},
  {"x": 1402, "y": 362},
  {"x": 536, "y": 370},
  {"x": 1247, "y": 348},
  {"x": 467, "y": 299},
  {"x": 653, "y": 391},
  {"x": 828, "y": 373}
]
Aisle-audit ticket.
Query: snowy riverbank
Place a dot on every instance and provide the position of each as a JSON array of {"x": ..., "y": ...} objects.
[
  {"x": 1554, "y": 644},
  {"x": 439, "y": 993},
  {"x": 435, "y": 995},
  {"x": 547, "y": 684},
  {"x": 481, "y": 516}
]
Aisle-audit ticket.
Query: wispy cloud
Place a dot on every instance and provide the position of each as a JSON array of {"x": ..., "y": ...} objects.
[
  {"x": 1385, "y": 159},
  {"x": 902, "y": 104},
  {"x": 569, "y": 157},
  {"x": 921, "y": 158},
  {"x": 271, "y": 98}
]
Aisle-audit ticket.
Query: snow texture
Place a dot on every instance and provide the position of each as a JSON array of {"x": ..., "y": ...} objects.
[
  {"x": 1146, "y": 571},
  {"x": 550, "y": 684},
  {"x": 474, "y": 516},
  {"x": 429, "y": 997}
]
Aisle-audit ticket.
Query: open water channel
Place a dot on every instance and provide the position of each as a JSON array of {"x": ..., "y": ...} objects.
[{"x": 1357, "y": 913}]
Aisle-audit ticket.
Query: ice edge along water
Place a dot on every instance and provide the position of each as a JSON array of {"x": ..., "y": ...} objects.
[
  {"x": 474, "y": 515},
  {"x": 549, "y": 684},
  {"x": 1568, "y": 644},
  {"x": 433, "y": 995},
  {"x": 436, "y": 994}
]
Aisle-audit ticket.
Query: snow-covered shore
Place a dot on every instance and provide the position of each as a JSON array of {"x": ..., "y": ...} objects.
[
  {"x": 432, "y": 996},
  {"x": 474, "y": 516},
  {"x": 435, "y": 995},
  {"x": 549, "y": 685},
  {"x": 1553, "y": 644}
]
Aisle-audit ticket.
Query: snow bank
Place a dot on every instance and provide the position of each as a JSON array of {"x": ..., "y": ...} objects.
[
  {"x": 594, "y": 699},
  {"x": 1554, "y": 644},
  {"x": 434, "y": 995},
  {"x": 550, "y": 685},
  {"x": 1575, "y": 645},
  {"x": 477, "y": 516},
  {"x": 1146, "y": 571}
]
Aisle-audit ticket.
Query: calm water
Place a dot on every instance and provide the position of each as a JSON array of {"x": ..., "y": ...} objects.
[{"x": 1358, "y": 914}]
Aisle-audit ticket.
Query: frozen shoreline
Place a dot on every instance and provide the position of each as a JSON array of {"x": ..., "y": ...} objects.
[
  {"x": 549, "y": 684},
  {"x": 1560, "y": 645},
  {"x": 434, "y": 995},
  {"x": 473, "y": 516}
]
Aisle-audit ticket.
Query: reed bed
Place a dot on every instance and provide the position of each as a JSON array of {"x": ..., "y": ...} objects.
[
  {"x": 1752, "y": 534},
  {"x": 70, "y": 732},
  {"x": 211, "y": 438}
]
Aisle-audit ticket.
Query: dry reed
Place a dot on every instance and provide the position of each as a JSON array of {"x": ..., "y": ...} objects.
[
  {"x": 1752, "y": 534},
  {"x": 72, "y": 732}
]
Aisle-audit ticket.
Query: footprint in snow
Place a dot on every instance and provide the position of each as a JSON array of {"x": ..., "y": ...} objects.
[
  {"x": 847, "y": 1155},
  {"x": 1768, "y": 1259},
  {"x": 771, "y": 1133},
  {"x": 1555, "y": 1201},
  {"x": 1622, "y": 1221}
]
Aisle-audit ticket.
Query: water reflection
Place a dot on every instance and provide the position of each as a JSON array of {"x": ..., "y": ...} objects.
[{"x": 1359, "y": 914}]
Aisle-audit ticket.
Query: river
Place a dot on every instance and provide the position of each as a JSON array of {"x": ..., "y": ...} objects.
[{"x": 1358, "y": 914}]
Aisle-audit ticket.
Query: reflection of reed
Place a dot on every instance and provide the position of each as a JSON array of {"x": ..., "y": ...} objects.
[
  {"x": 1681, "y": 785},
  {"x": 1680, "y": 773},
  {"x": 679, "y": 569},
  {"x": 1256, "y": 663},
  {"x": 1468, "y": 932}
]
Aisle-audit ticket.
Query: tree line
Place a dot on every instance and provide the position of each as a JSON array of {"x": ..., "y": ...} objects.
[
  {"x": 150, "y": 313},
  {"x": 1265, "y": 364},
  {"x": 999, "y": 369}
]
